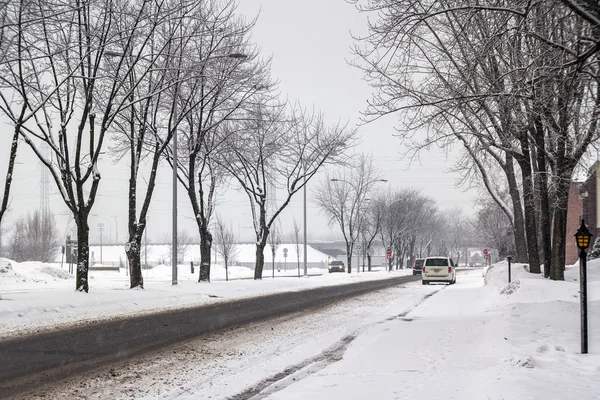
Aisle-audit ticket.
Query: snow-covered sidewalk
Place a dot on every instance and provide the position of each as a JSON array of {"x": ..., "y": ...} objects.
[
  {"x": 473, "y": 341},
  {"x": 41, "y": 296}
]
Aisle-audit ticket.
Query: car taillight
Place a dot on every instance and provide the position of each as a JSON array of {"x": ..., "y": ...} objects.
[
  {"x": 423, "y": 268},
  {"x": 449, "y": 269}
]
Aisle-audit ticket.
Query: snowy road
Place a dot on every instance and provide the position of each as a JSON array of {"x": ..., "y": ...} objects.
[{"x": 248, "y": 361}]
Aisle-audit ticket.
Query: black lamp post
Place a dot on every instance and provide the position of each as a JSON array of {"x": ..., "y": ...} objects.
[
  {"x": 583, "y": 237},
  {"x": 509, "y": 258}
]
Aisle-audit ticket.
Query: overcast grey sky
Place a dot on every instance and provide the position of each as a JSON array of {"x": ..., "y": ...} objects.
[{"x": 310, "y": 42}]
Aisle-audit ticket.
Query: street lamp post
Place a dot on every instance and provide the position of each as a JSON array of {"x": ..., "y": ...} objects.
[
  {"x": 583, "y": 237},
  {"x": 305, "y": 245},
  {"x": 101, "y": 229},
  {"x": 174, "y": 244},
  {"x": 116, "y": 229}
]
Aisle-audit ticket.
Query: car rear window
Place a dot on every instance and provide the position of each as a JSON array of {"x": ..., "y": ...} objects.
[
  {"x": 419, "y": 263},
  {"x": 436, "y": 262}
]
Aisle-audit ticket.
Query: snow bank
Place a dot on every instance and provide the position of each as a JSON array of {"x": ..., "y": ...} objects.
[
  {"x": 542, "y": 319},
  {"x": 14, "y": 274},
  {"x": 477, "y": 339}
]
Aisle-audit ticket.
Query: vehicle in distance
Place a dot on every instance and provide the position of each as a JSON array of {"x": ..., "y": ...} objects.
[
  {"x": 438, "y": 269},
  {"x": 418, "y": 266},
  {"x": 336, "y": 266}
]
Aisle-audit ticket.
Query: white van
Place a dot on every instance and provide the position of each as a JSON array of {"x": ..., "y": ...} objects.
[{"x": 438, "y": 269}]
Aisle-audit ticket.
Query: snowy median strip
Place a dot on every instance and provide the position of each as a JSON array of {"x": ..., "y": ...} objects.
[{"x": 40, "y": 296}]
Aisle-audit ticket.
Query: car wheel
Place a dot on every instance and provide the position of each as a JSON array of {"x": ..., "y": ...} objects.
[{"x": 425, "y": 282}]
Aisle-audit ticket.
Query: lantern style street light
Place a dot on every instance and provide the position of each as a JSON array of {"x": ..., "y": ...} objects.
[{"x": 583, "y": 236}]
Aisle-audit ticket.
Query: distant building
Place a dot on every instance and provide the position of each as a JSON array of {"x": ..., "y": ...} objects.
[{"x": 583, "y": 203}]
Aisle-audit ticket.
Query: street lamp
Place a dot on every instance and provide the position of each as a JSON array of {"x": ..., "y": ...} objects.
[{"x": 582, "y": 237}]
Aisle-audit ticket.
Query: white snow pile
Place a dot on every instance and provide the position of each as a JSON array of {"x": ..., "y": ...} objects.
[
  {"x": 12, "y": 273},
  {"x": 542, "y": 330},
  {"x": 5, "y": 266}
]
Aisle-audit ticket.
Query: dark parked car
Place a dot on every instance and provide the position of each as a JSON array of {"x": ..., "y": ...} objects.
[
  {"x": 417, "y": 267},
  {"x": 336, "y": 266}
]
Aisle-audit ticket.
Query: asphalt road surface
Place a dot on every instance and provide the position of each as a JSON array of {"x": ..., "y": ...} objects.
[{"x": 37, "y": 360}]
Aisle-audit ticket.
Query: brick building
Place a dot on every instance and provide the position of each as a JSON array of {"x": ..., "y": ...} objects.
[
  {"x": 583, "y": 203},
  {"x": 574, "y": 213}
]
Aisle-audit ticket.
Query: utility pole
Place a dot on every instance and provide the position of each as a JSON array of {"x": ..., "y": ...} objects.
[
  {"x": 101, "y": 229},
  {"x": 116, "y": 229},
  {"x": 174, "y": 244}
]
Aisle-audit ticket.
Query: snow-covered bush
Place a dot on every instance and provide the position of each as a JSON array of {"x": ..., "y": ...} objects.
[{"x": 595, "y": 252}]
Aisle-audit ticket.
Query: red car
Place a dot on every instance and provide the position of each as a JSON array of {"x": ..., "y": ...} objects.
[{"x": 417, "y": 267}]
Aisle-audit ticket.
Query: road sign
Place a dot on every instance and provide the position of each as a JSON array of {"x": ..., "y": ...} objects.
[
  {"x": 486, "y": 252},
  {"x": 388, "y": 253}
]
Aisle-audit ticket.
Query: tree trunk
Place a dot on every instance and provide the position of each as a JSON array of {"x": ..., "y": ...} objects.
[
  {"x": 519, "y": 220},
  {"x": 368, "y": 261},
  {"x": 529, "y": 202},
  {"x": 542, "y": 185},
  {"x": 260, "y": 260},
  {"x": 545, "y": 223},
  {"x": 83, "y": 254},
  {"x": 559, "y": 234},
  {"x": 226, "y": 269},
  {"x": 349, "y": 253},
  {"x": 133, "y": 252},
  {"x": 205, "y": 248},
  {"x": 9, "y": 173}
]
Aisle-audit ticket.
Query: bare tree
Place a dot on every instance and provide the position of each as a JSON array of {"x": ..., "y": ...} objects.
[
  {"x": 274, "y": 243},
  {"x": 343, "y": 197},
  {"x": 407, "y": 218},
  {"x": 497, "y": 71},
  {"x": 184, "y": 241},
  {"x": 35, "y": 238},
  {"x": 225, "y": 242},
  {"x": 278, "y": 147},
  {"x": 19, "y": 22},
  {"x": 229, "y": 76},
  {"x": 456, "y": 227},
  {"x": 153, "y": 77},
  {"x": 297, "y": 240},
  {"x": 494, "y": 227},
  {"x": 81, "y": 95}
]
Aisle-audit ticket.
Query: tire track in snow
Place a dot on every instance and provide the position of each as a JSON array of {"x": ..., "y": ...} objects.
[{"x": 310, "y": 366}]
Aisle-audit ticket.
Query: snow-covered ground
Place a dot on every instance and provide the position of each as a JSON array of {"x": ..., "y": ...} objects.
[
  {"x": 39, "y": 296},
  {"x": 478, "y": 339},
  {"x": 470, "y": 341}
]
